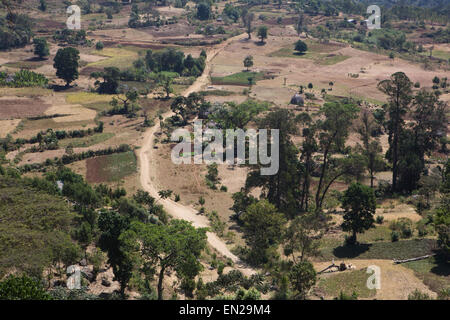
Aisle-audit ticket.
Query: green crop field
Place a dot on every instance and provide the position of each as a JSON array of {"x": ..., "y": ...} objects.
[
  {"x": 111, "y": 168},
  {"x": 238, "y": 79},
  {"x": 87, "y": 141}
]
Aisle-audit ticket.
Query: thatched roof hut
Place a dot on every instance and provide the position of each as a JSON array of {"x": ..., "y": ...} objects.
[{"x": 297, "y": 100}]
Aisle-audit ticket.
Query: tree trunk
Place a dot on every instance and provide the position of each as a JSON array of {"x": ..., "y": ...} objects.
[
  {"x": 322, "y": 175},
  {"x": 160, "y": 283},
  {"x": 122, "y": 289},
  {"x": 371, "y": 180},
  {"x": 395, "y": 159}
]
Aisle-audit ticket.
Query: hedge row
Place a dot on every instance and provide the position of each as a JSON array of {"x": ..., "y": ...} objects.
[{"x": 69, "y": 158}]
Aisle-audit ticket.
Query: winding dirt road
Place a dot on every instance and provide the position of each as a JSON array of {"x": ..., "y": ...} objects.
[{"x": 148, "y": 176}]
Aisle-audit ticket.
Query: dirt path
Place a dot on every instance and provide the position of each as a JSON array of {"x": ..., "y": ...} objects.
[{"x": 148, "y": 176}]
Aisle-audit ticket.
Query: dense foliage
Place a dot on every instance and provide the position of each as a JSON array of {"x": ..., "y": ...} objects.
[
  {"x": 15, "y": 31},
  {"x": 23, "y": 78}
]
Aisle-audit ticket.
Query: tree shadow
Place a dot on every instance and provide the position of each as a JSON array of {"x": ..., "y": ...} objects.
[
  {"x": 58, "y": 88},
  {"x": 259, "y": 43},
  {"x": 442, "y": 268},
  {"x": 36, "y": 59},
  {"x": 351, "y": 251},
  {"x": 296, "y": 53}
]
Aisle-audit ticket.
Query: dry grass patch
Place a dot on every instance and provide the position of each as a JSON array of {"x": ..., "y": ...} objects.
[
  {"x": 116, "y": 57},
  {"x": 6, "y": 126},
  {"x": 347, "y": 282}
]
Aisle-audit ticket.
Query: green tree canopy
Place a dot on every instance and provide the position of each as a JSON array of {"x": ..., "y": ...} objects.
[
  {"x": 22, "y": 288},
  {"x": 359, "y": 208},
  {"x": 300, "y": 46},
  {"x": 41, "y": 47},
  {"x": 262, "y": 33},
  {"x": 248, "y": 62},
  {"x": 176, "y": 246},
  {"x": 66, "y": 63},
  {"x": 263, "y": 228},
  {"x": 302, "y": 278},
  {"x": 203, "y": 11}
]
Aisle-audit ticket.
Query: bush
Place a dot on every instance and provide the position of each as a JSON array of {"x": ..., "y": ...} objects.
[
  {"x": 402, "y": 225},
  {"x": 220, "y": 268},
  {"x": 23, "y": 78},
  {"x": 22, "y": 288},
  {"x": 422, "y": 229},
  {"x": 223, "y": 188},
  {"x": 300, "y": 46},
  {"x": 15, "y": 31},
  {"x": 99, "y": 45},
  {"x": 380, "y": 219},
  {"x": 418, "y": 295},
  {"x": 394, "y": 236},
  {"x": 383, "y": 190}
]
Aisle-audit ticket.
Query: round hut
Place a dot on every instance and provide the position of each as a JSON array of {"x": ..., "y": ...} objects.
[{"x": 297, "y": 100}]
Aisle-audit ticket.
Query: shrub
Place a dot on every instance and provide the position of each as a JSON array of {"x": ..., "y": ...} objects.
[
  {"x": 380, "y": 219},
  {"x": 422, "y": 230},
  {"x": 223, "y": 188},
  {"x": 220, "y": 268},
  {"x": 300, "y": 46},
  {"x": 17, "y": 34},
  {"x": 418, "y": 295},
  {"x": 22, "y": 288},
  {"x": 394, "y": 236},
  {"x": 99, "y": 45},
  {"x": 403, "y": 226},
  {"x": 23, "y": 78}
]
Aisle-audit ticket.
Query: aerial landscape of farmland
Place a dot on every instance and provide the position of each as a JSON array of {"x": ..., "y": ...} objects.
[{"x": 224, "y": 150}]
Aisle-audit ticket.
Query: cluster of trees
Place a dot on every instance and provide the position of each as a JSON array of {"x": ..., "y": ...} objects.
[
  {"x": 409, "y": 143},
  {"x": 173, "y": 60},
  {"x": 73, "y": 37},
  {"x": 159, "y": 67},
  {"x": 439, "y": 36},
  {"x": 151, "y": 17},
  {"x": 405, "y": 10},
  {"x": 15, "y": 30},
  {"x": 23, "y": 78},
  {"x": 291, "y": 213},
  {"x": 127, "y": 105},
  {"x": 134, "y": 232},
  {"x": 441, "y": 217},
  {"x": 187, "y": 107}
]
